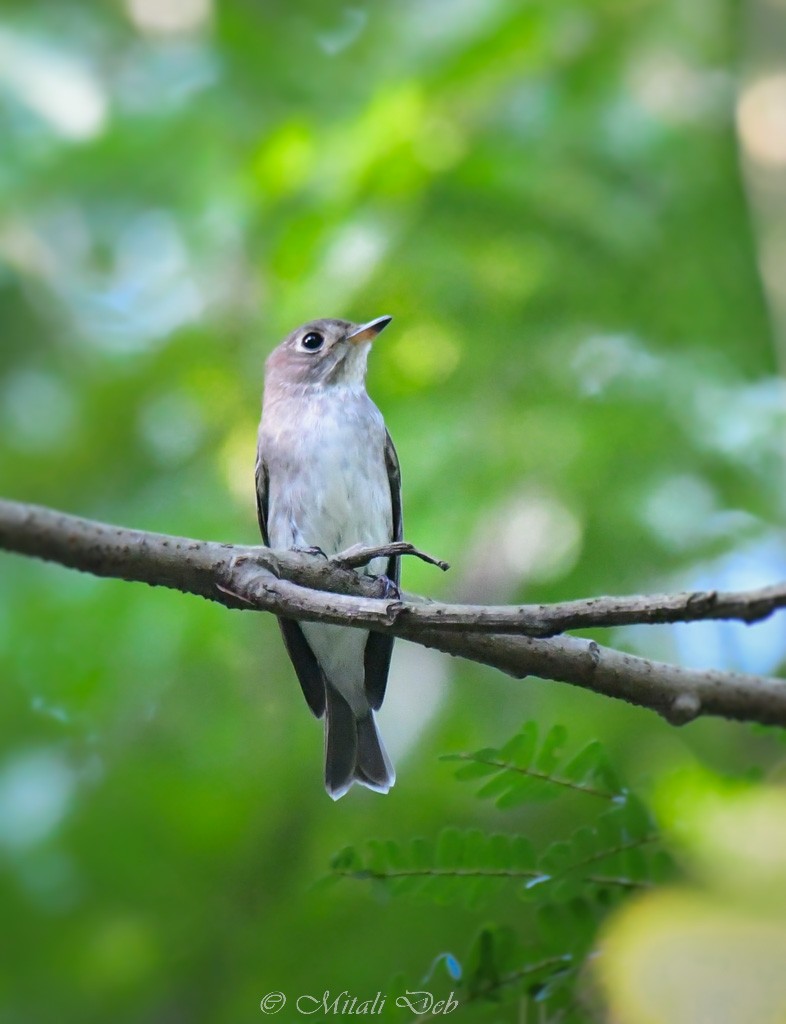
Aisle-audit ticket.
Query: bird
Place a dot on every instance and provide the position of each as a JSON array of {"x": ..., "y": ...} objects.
[{"x": 327, "y": 479}]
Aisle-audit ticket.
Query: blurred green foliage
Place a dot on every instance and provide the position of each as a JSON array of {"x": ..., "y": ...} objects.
[
  {"x": 580, "y": 381},
  {"x": 570, "y": 886}
]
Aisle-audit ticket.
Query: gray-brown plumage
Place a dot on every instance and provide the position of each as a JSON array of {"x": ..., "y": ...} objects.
[{"x": 327, "y": 477}]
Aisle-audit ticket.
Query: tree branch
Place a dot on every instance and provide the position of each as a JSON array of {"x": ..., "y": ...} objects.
[{"x": 518, "y": 640}]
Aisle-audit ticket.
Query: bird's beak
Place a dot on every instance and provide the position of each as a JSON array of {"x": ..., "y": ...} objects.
[{"x": 369, "y": 331}]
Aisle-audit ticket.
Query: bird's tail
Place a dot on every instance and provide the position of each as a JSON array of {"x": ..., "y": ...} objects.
[{"x": 353, "y": 749}]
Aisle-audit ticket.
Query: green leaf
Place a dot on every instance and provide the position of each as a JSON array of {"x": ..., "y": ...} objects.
[
  {"x": 521, "y": 771},
  {"x": 520, "y": 750},
  {"x": 450, "y": 848},
  {"x": 421, "y": 853},
  {"x": 551, "y": 753}
]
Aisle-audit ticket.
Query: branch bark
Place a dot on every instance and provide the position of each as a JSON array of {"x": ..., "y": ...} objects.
[{"x": 519, "y": 640}]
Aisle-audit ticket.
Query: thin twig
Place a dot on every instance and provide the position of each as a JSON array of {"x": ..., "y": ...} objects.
[
  {"x": 545, "y": 620},
  {"x": 358, "y": 556}
]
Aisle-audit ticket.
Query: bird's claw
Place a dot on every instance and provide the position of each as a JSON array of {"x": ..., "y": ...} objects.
[
  {"x": 389, "y": 588},
  {"x": 311, "y": 551}
]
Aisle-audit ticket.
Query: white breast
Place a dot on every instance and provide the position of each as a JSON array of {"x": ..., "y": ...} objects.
[
  {"x": 328, "y": 483},
  {"x": 328, "y": 488}
]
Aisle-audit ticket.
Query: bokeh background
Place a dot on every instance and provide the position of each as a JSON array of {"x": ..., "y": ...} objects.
[{"x": 576, "y": 212}]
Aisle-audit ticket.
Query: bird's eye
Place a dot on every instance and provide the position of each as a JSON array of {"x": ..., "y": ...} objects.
[{"x": 313, "y": 341}]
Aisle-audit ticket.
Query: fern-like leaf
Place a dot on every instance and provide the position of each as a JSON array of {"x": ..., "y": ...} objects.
[
  {"x": 473, "y": 866},
  {"x": 525, "y": 770},
  {"x": 617, "y": 854}
]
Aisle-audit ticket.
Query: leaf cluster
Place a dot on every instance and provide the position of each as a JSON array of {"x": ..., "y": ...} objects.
[{"x": 569, "y": 886}]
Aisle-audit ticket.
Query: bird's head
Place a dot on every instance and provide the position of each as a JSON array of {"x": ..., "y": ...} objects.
[{"x": 323, "y": 353}]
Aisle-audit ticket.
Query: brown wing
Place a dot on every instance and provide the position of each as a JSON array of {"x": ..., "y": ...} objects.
[
  {"x": 309, "y": 674},
  {"x": 379, "y": 646},
  {"x": 262, "y": 483}
]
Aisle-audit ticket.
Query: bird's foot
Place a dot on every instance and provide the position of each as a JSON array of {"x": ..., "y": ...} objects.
[
  {"x": 311, "y": 551},
  {"x": 389, "y": 589}
]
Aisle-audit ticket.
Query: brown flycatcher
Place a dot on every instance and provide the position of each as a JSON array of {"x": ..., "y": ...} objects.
[{"x": 327, "y": 478}]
